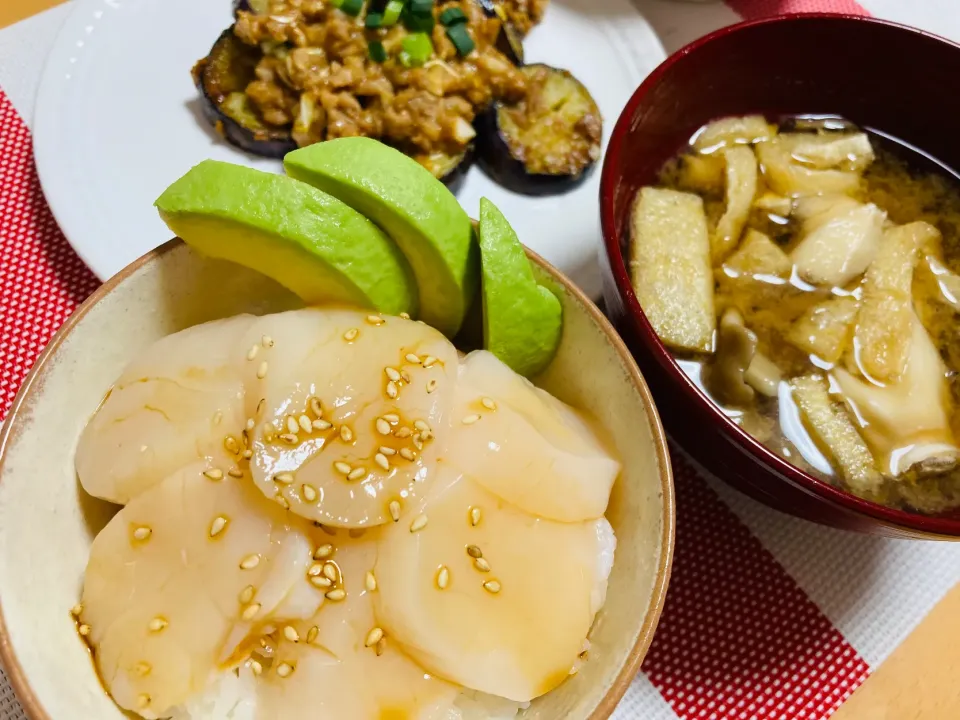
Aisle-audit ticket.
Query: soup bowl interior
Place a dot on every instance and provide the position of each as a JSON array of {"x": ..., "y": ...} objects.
[
  {"x": 862, "y": 69},
  {"x": 47, "y": 522}
]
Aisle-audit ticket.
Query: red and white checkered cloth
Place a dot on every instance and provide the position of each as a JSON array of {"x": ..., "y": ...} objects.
[{"x": 767, "y": 617}]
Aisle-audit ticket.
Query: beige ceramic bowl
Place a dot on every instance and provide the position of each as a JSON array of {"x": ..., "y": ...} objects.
[{"x": 47, "y": 522}]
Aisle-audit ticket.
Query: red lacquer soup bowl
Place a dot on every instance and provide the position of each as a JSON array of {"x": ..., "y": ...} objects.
[{"x": 882, "y": 76}]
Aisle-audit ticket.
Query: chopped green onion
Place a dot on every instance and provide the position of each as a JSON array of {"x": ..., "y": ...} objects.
[
  {"x": 417, "y": 23},
  {"x": 373, "y": 20},
  {"x": 351, "y": 7},
  {"x": 378, "y": 53},
  {"x": 421, "y": 7},
  {"x": 391, "y": 13},
  {"x": 452, "y": 16},
  {"x": 461, "y": 39},
  {"x": 418, "y": 48},
  {"x": 405, "y": 59}
]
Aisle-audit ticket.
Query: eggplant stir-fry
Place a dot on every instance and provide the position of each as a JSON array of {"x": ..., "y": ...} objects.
[{"x": 444, "y": 82}]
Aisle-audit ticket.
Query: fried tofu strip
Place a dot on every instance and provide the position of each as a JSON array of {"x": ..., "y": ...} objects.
[
  {"x": 731, "y": 131},
  {"x": 825, "y": 328},
  {"x": 670, "y": 267},
  {"x": 758, "y": 255},
  {"x": 741, "y": 177},
  {"x": 884, "y": 323},
  {"x": 787, "y": 176},
  {"x": 833, "y": 431}
]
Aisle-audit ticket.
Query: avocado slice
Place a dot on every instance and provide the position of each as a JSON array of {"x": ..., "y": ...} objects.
[
  {"x": 522, "y": 321},
  {"x": 311, "y": 243},
  {"x": 412, "y": 207}
]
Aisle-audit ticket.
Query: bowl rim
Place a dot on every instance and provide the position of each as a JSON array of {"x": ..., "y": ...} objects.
[
  {"x": 31, "y": 704},
  {"x": 934, "y": 528}
]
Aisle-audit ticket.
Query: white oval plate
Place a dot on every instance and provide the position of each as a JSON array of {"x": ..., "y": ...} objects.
[{"x": 117, "y": 120}]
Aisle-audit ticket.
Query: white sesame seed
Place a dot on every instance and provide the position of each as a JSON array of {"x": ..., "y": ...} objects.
[
  {"x": 291, "y": 634},
  {"x": 336, "y": 595},
  {"x": 403, "y": 432},
  {"x": 319, "y": 581},
  {"x": 421, "y": 425},
  {"x": 142, "y": 533},
  {"x": 76, "y": 610},
  {"x": 312, "y": 634},
  {"x": 357, "y": 473},
  {"x": 470, "y": 419},
  {"x": 142, "y": 669},
  {"x": 443, "y": 577},
  {"x": 250, "y": 562},
  {"x": 322, "y": 552},
  {"x": 474, "y": 552},
  {"x": 250, "y": 611},
  {"x": 260, "y": 405},
  {"x": 346, "y": 434},
  {"x": 218, "y": 525},
  {"x": 262, "y": 370},
  {"x": 373, "y": 637},
  {"x": 383, "y": 427},
  {"x": 255, "y": 666},
  {"x": 247, "y": 594},
  {"x": 374, "y": 319},
  {"x": 331, "y": 571},
  {"x": 235, "y": 472},
  {"x": 392, "y": 418},
  {"x": 351, "y": 334},
  {"x": 321, "y": 425},
  {"x": 315, "y": 407},
  {"x": 284, "y": 670},
  {"x": 143, "y": 700},
  {"x": 342, "y": 467},
  {"x": 309, "y": 493},
  {"x": 381, "y": 460},
  {"x": 158, "y": 624},
  {"x": 488, "y": 403},
  {"x": 394, "y": 508},
  {"x": 247, "y": 454},
  {"x": 405, "y": 316},
  {"x": 492, "y": 586},
  {"x": 290, "y": 438},
  {"x": 252, "y": 352},
  {"x": 282, "y": 502},
  {"x": 84, "y": 630},
  {"x": 406, "y": 377},
  {"x": 411, "y": 358},
  {"x": 573, "y": 671},
  {"x": 481, "y": 564},
  {"x": 388, "y": 451},
  {"x": 285, "y": 478},
  {"x": 370, "y": 581},
  {"x": 217, "y": 417},
  {"x": 392, "y": 390},
  {"x": 418, "y": 441},
  {"x": 381, "y": 646},
  {"x": 408, "y": 454},
  {"x": 306, "y": 424},
  {"x": 419, "y": 523},
  {"x": 266, "y": 341},
  {"x": 230, "y": 444},
  {"x": 475, "y": 514},
  {"x": 250, "y": 424},
  {"x": 292, "y": 424},
  {"x": 315, "y": 569},
  {"x": 429, "y": 361},
  {"x": 392, "y": 373},
  {"x": 431, "y": 386}
]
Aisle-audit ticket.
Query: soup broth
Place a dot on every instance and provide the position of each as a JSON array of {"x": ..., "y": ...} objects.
[{"x": 804, "y": 274}]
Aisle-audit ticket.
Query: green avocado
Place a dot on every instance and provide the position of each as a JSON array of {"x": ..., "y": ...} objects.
[
  {"x": 311, "y": 243},
  {"x": 414, "y": 208},
  {"x": 522, "y": 321}
]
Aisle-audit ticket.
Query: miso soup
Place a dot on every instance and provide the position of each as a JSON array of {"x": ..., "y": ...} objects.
[{"x": 805, "y": 275}]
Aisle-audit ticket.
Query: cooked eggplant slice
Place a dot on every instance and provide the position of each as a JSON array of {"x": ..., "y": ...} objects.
[
  {"x": 221, "y": 78},
  {"x": 258, "y": 7},
  {"x": 451, "y": 170},
  {"x": 548, "y": 142},
  {"x": 510, "y": 39}
]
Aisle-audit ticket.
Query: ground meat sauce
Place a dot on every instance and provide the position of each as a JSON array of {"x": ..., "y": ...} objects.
[{"x": 316, "y": 75}]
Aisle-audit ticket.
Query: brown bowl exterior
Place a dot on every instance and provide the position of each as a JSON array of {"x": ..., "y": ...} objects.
[
  {"x": 877, "y": 74},
  {"x": 47, "y": 522}
]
